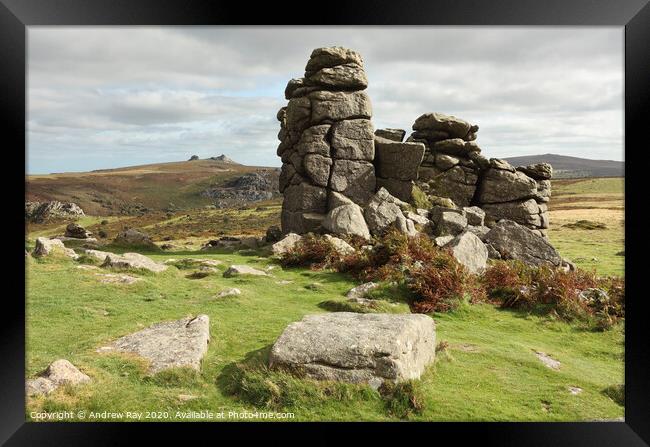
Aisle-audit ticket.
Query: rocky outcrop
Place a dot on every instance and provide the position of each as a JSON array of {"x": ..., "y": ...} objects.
[
  {"x": 326, "y": 139},
  {"x": 449, "y": 168},
  {"x": 358, "y": 348},
  {"x": 38, "y": 212},
  {"x": 340, "y": 177},
  {"x": 454, "y": 168},
  {"x": 251, "y": 187},
  {"x": 173, "y": 344}
]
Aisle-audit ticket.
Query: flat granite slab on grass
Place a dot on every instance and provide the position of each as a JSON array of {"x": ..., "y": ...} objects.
[
  {"x": 358, "y": 348},
  {"x": 171, "y": 344}
]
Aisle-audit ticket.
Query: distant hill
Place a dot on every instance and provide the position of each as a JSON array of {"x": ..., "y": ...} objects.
[
  {"x": 573, "y": 167},
  {"x": 154, "y": 187}
]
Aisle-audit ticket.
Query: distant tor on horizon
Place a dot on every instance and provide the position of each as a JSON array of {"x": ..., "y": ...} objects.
[{"x": 573, "y": 167}]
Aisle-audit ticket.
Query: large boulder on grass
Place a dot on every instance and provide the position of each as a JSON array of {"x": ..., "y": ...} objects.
[
  {"x": 132, "y": 261},
  {"x": 357, "y": 348},
  {"x": 514, "y": 241},
  {"x": 52, "y": 247},
  {"x": 469, "y": 251},
  {"x": 171, "y": 344}
]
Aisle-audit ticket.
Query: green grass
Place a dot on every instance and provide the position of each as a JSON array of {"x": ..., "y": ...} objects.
[{"x": 489, "y": 373}]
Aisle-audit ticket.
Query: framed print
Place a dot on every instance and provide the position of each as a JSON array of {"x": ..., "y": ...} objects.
[{"x": 388, "y": 216}]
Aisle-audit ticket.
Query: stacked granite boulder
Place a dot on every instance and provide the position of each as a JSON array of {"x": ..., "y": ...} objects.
[
  {"x": 397, "y": 163},
  {"x": 519, "y": 195},
  {"x": 326, "y": 139},
  {"x": 454, "y": 174},
  {"x": 452, "y": 159}
]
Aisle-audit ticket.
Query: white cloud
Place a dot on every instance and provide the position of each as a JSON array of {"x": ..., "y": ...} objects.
[{"x": 105, "y": 96}]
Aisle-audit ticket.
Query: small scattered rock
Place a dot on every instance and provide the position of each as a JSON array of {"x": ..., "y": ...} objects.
[
  {"x": 441, "y": 241},
  {"x": 361, "y": 290},
  {"x": 594, "y": 295},
  {"x": 110, "y": 278},
  {"x": 229, "y": 292},
  {"x": 450, "y": 223},
  {"x": 237, "y": 270},
  {"x": 547, "y": 360},
  {"x": 575, "y": 390},
  {"x": 59, "y": 372},
  {"x": 273, "y": 234},
  {"x": 76, "y": 231}
]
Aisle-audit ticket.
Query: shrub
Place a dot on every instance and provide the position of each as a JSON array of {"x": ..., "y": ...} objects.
[
  {"x": 516, "y": 285},
  {"x": 433, "y": 277},
  {"x": 260, "y": 386},
  {"x": 175, "y": 377},
  {"x": 311, "y": 251},
  {"x": 508, "y": 282},
  {"x": 616, "y": 393},
  {"x": 440, "y": 284},
  {"x": 420, "y": 199},
  {"x": 102, "y": 234},
  {"x": 403, "y": 399}
]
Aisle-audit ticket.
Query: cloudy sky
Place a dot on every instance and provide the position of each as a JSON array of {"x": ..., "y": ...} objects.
[{"x": 101, "y": 97}]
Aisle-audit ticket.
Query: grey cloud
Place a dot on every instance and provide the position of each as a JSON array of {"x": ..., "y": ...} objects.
[{"x": 152, "y": 94}]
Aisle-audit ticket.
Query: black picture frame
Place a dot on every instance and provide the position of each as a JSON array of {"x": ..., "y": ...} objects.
[{"x": 634, "y": 15}]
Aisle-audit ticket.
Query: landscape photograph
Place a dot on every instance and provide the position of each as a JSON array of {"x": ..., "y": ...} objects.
[{"x": 324, "y": 223}]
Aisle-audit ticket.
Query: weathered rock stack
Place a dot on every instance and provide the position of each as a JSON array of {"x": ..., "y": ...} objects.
[
  {"x": 326, "y": 139},
  {"x": 454, "y": 168},
  {"x": 452, "y": 159},
  {"x": 339, "y": 176},
  {"x": 520, "y": 194}
]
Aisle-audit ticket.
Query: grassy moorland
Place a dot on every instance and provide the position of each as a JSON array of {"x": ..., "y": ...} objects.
[
  {"x": 156, "y": 186},
  {"x": 588, "y": 223},
  {"x": 486, "y": 370}
]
